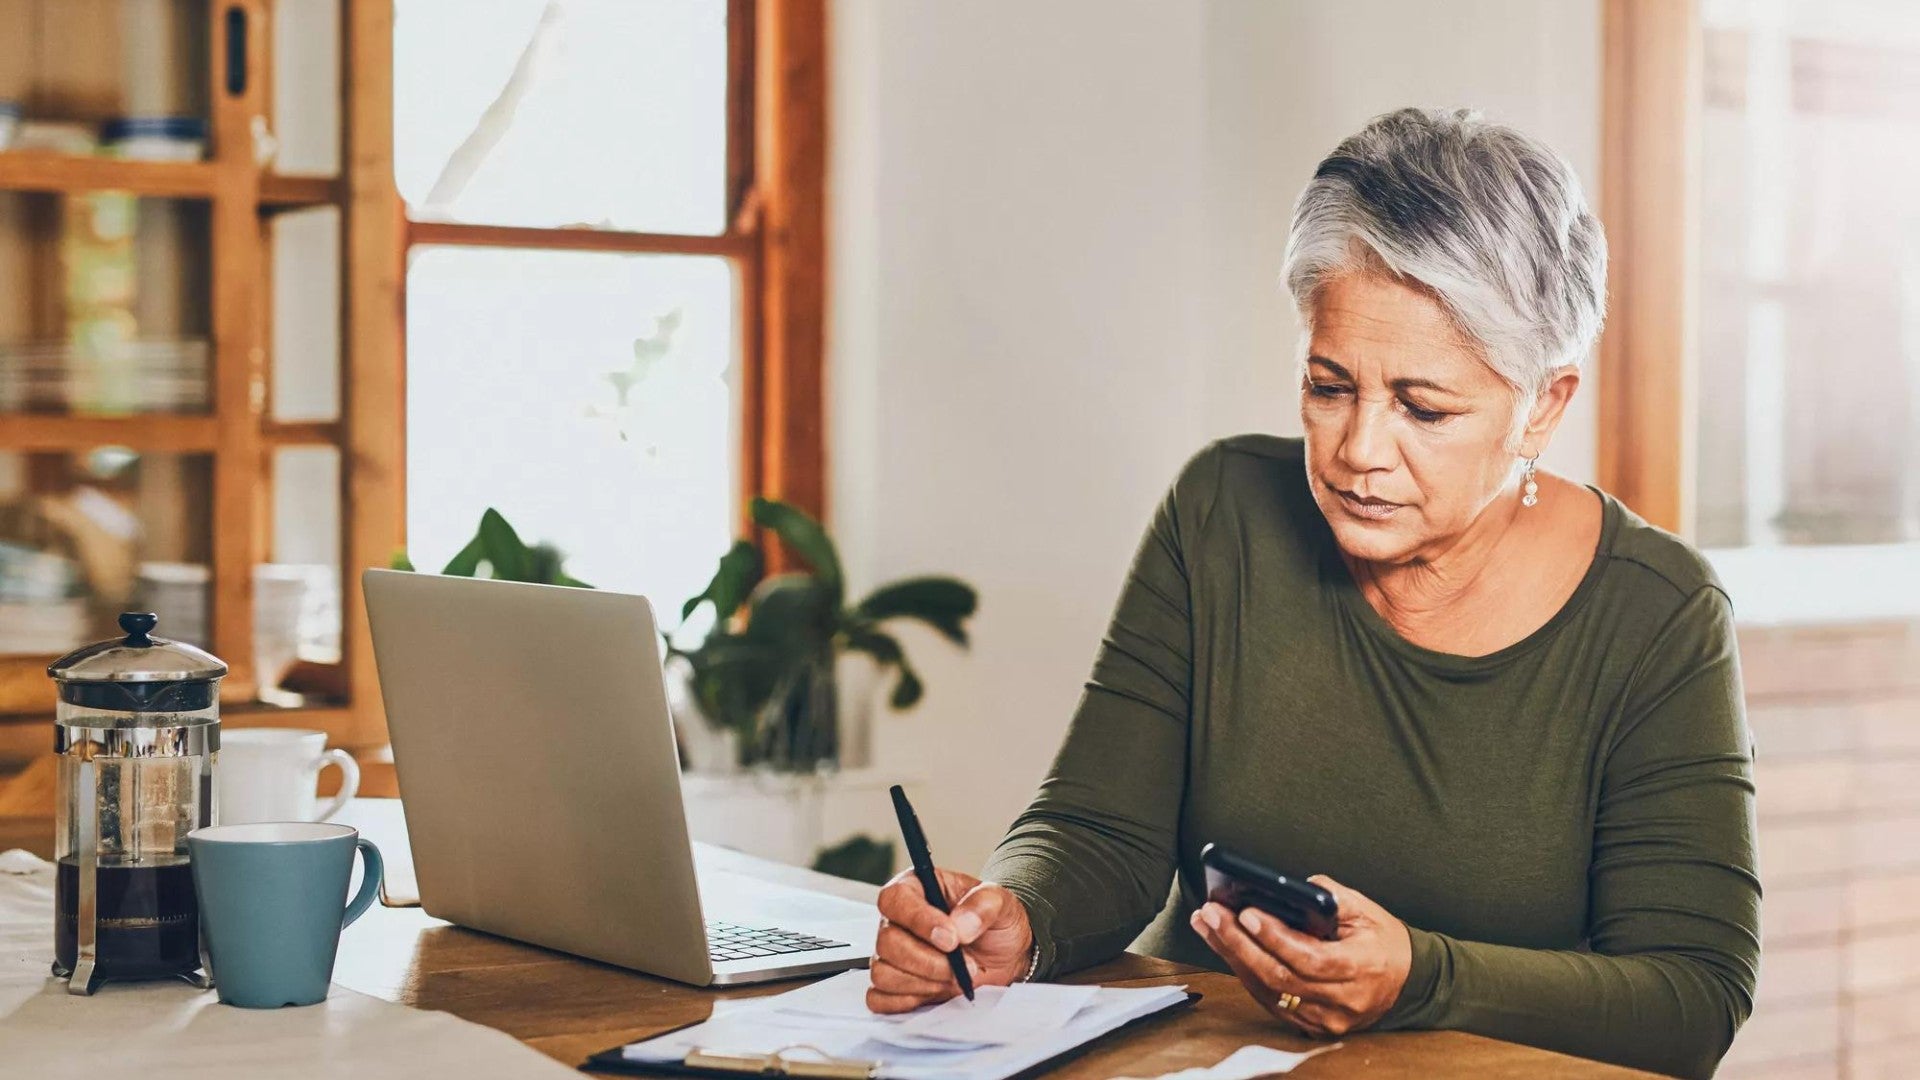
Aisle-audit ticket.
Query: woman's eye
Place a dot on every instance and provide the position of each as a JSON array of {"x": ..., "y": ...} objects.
[
  {"x": 1326, "y": 390},
  {"x": 1425, "y": 416}
]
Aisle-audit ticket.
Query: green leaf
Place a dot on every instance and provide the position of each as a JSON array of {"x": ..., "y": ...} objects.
[
  {"x": 943, "y": 603},
  {"x": 804, "y": 537},
  {"x": 547, "y": 565},
  {"x": 467, "y": 561},
  {"x": 732, "y": 583},
  {"x": 908, "y": 691},
  {"x": 734, "y": 678},
  {"x": 885, "y": 650},
  {"x": 794, "y": 613},
  {"x": 508, "y": 554},
  {"x": 882, "y": 646},
  {"x": 400, "y": 561}
]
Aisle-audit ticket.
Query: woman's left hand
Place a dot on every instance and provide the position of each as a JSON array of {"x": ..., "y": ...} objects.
[{"x": 1342, "y": 985}]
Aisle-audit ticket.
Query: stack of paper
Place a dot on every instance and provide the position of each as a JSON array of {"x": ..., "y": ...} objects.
[{"x": 1001, "y": 1032}]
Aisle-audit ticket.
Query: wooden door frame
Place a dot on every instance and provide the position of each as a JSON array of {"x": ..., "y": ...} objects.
[{"x": 1648, "y": 190}]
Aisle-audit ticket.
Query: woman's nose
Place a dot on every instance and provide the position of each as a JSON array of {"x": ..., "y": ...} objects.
[{"x": 1369, "y": 444}]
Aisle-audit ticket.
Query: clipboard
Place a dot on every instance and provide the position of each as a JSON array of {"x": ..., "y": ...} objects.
[{"x": 800, "y": 1066}]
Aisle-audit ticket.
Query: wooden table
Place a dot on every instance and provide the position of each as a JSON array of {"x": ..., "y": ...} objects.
[{"x": 570, "y": 1008}]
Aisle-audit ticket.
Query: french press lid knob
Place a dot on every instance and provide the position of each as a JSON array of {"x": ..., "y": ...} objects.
[{"x": 138, "y": 624}]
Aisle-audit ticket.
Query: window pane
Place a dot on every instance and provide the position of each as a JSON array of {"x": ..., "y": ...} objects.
[
  {"x": 609, "y": 113},
  {"x": 1809, "y": 423},
  {"x": 589, "y": 397},
  {"x": 297, "y": 597},
  {"x": 306, "y": 87},
  {"x": 306, "y": 314}
]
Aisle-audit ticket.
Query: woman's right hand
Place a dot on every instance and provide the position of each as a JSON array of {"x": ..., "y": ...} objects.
[{"x": 910, "y": 966}]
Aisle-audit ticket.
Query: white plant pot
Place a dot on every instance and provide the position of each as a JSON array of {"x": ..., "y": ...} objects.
[
  {"x": 861, "y": 697},
  {"x": 790, "y": 817}
]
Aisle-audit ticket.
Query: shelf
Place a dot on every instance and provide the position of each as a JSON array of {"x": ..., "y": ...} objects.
[
  {"x": 28, "y": 170},
  {"x": 25, "y": 170},
  {"x": 294, "y": 192},
  {"x": 149, "y": 432}
]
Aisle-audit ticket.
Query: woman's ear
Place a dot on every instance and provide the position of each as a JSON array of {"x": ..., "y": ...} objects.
[{"x": 1547, "y": 410}]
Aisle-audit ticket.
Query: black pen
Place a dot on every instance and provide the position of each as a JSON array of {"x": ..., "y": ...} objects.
[{"x": 929, "y": 881}]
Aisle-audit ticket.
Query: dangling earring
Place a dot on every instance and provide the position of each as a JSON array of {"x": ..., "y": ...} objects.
[{"x": 1529, "y": 490}]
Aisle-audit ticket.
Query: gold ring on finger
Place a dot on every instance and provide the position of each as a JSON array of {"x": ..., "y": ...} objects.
[{"x": 1289, "y": 1002}]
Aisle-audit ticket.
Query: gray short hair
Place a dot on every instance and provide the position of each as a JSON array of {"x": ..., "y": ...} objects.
[{"x": 1488, "y": 219}]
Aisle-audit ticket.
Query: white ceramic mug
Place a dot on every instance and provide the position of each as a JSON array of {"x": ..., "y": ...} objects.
[{"x": 269, "y": 774}]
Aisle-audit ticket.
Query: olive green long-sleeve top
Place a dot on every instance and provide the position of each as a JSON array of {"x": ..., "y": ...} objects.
[{"x": 1565, "y": 825}]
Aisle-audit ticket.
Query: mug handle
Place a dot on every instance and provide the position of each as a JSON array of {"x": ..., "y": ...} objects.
[
  {"x": 349, "y": 780},
  {"x": 372, "y": 869}
]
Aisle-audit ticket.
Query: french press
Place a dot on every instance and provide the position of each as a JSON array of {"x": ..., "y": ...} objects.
[{"x": 137, "y": 731}]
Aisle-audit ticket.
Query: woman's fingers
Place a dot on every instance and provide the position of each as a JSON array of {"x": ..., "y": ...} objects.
[
  {"x": 1265, "y": 978},
  {"x": 982, "y": 907},
  {"x": 1354, "y": 906},
  {"x": 1321, "y": 1008},
  {"x": 1307, "y": 956},
  {"x": 903, "y": 904},
  {"x": 890, "y": 978},
  {"x": 912, "y": 955},
  {"x": 1236, "y": 947},
  {"x": 1257, "y": 985},
  {"x": 882, "y": 1002}
]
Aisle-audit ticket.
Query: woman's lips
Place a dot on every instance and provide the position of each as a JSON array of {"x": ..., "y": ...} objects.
[{"x": 1370, "y": 509}]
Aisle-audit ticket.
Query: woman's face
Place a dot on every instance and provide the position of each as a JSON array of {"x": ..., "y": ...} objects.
[{"x": 1406, "y": 426}]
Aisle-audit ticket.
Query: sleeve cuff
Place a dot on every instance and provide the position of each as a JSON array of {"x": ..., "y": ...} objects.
[
  {"x": 1040, "y": 921},
  {"x": 1417, "y": 994}
]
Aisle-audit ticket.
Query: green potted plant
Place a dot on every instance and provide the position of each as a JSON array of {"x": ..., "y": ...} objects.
[{"x": 767, "y": 670}]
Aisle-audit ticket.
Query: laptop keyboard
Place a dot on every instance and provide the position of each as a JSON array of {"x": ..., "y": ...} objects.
[{"x": 725, "y": 941}]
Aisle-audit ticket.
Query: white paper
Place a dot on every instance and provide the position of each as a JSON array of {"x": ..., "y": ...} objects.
[
  {"x": 1005, "y": 1030},
  {"x": 1246, "y": 1063},
  {"x": 1002, "y": 1015}
]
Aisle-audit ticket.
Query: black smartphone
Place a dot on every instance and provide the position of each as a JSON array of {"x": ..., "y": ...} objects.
[{"x": 1236, "y": 882}]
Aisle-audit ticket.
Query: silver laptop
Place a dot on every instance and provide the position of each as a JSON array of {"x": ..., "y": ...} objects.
[{"x": 541, "y": 786}]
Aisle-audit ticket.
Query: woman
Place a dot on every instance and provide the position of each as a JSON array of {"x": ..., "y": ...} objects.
[{"x": 1497, "y": 711}]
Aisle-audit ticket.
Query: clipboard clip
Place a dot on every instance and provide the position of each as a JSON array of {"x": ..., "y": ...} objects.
[{"x": 784, "y": 1063}]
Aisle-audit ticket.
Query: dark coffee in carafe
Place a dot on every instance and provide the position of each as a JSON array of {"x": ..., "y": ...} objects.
[{"x": 147, "y": 922}]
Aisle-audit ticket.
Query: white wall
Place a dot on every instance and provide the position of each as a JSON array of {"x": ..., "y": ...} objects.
[
  {"x": 1286, "y": 81},
  {"x": 1057, "y": 232}
]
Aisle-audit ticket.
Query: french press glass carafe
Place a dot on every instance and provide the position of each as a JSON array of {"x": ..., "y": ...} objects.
[{"x": 136, "y": 733}]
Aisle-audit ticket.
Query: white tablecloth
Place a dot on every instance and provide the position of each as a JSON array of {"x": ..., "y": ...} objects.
[{"x": 164, "y": 1030}]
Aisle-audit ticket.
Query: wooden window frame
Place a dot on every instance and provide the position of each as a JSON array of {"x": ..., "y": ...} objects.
[
  {"x": 1648, "y": 190},
  {"x": 775, "y": 236}
]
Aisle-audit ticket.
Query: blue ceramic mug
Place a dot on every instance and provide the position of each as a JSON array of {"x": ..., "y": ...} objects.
[{"x": 273, "y": 900}]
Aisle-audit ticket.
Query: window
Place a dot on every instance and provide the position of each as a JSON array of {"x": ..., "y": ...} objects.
[
  {"x": 1762, "y": 365},
  {"x": 600, "y": 283},
  {"x": 590, "y": 396},
  {"x": 1808, "y": 420}
]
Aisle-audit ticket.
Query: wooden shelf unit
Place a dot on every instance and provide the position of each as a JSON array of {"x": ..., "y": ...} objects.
[{"x": 77, "y": 68}]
